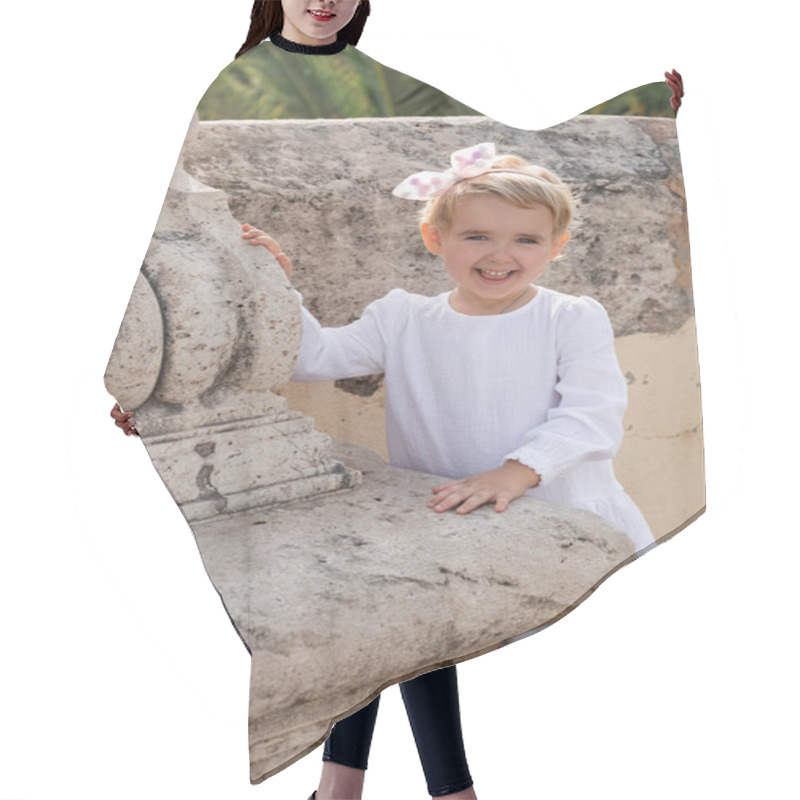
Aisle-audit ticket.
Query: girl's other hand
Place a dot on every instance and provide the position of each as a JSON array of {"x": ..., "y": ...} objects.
[
  {"x": 499, "y": 486},
  {"x": 257, "y": 237},
  {"x": 124, "y": 420}
]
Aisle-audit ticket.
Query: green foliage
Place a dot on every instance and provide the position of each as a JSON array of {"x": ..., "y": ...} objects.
[
  {"x": 270, "y": 83},
  {"x": 650, "y": 100}
]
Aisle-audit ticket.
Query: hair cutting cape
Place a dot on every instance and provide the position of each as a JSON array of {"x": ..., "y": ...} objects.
[{"x": 338, "y": 578}]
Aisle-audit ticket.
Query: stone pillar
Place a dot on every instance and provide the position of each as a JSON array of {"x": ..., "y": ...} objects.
[{"x": 212, "y": 328}]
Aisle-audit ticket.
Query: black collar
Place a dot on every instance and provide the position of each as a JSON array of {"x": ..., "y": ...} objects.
[{"x": 309, "y": 49}]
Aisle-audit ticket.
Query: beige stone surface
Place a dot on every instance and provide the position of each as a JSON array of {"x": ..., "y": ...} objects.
[
  {"x": 340, "y": 596},
  {"x": 341, "y": 414},
  {"x": 661, "y": 458},
  {"x": 139, "y": 348}
]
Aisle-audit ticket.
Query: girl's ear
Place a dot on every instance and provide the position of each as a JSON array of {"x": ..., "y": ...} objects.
[
  {"x": 558, "y": 248},
  {"x": 431, "y": 238}
]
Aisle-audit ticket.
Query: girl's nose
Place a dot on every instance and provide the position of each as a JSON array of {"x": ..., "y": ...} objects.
[{"x": 499, "y": 255}]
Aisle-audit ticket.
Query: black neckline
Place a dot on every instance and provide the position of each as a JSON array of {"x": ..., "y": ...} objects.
[{"x": 309, "y": 49}]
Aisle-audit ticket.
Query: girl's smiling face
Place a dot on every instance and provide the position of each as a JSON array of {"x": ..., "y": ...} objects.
[
  {"x": 315, "y": 22},
  {"x": 494, "y": 251}
]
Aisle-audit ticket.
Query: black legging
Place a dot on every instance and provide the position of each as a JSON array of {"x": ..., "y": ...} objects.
[{"x": 432, "y": 706}]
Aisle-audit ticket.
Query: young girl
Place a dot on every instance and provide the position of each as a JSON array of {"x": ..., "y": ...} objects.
[
  {"x": 298, "y": 24},
  {"x": 500, "y": 385}
]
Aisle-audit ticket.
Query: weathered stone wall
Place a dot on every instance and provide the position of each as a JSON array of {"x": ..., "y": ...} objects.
[{"x": 323, "y": 189}]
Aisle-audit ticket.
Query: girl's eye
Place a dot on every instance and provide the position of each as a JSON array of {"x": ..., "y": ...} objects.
[
  {"x": 476, "y": 238},
  {"x": 526, "y": 240}
]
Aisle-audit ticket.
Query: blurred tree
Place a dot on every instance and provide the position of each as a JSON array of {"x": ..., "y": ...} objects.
[
  {"x": 650, "y": 100},
  {"x": 270, "y": 83}
]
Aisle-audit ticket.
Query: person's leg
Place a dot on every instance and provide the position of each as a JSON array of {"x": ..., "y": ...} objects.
[
  {"x": 433, "y": 711},
  {"x": 338, "y": 782},
  {"x": 345, "y": 755}
]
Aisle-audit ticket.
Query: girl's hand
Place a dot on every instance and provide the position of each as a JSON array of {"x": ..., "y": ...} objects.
[
  {"x": 500, "y": 486},
  {"x": 257, "y": 237},
  {"x": 124, "y": 420},
  {"x": 675, "y": 82}
]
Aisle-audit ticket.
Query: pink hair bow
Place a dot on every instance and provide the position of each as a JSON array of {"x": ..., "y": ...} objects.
[{"x": 466, "y": 163}]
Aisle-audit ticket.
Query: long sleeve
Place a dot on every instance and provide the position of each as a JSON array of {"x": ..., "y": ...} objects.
[
  {"x": 586, "y": 422},
  {"x": 350, "y": 351}
]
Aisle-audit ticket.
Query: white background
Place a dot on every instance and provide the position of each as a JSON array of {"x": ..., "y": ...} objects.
[{"x": 121, "y": 676}]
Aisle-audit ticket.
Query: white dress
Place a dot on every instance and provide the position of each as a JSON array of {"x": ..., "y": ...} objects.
[{"x": 540, "y": 384}]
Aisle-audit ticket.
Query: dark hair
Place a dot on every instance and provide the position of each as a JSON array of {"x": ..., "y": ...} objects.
[{"x": 266, "y": 19}]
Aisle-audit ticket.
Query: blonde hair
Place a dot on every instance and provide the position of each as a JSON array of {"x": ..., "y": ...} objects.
[{"x": 542, "y": 188}]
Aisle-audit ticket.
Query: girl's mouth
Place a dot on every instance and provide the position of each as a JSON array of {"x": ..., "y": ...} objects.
[
  {"x": 495, "y": 276},
  {"x": 322, "y": 16}
]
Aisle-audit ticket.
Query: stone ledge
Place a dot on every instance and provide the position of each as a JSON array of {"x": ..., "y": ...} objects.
[{"x": 334, "y": 611}]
